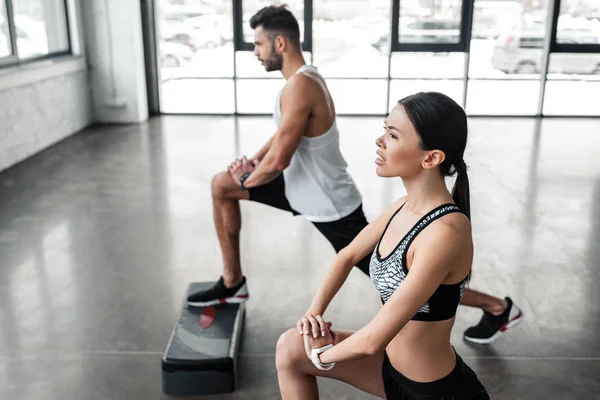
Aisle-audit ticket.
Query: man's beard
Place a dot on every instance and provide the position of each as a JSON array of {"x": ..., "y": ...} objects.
[{"x": 274, "y": 62}]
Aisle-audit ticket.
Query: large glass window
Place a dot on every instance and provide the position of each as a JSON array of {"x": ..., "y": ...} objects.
[
  {"x": 488, "y": 55},
  {"x": 430, "y": 21},
  {"x": 31, "y": 29},
  {"x": 579, "y": 22},
  {"x": 350, "y": 43},
  {"x": 429, "y": 52},
  {"x": 402, "y": 88},
  {"x": 192, "y": 96},
  {"x": 506, "y": 56},
  {"x": 350, "y": 38},
  {"x": 40, "y": 27},
  {"x": 5, "y": 44},
  {"x": 195, "y": 56},
  {"x": 257, "y": 96},
  {"x": 574, "y": 69},
  {"x": 357, "y": 96}
]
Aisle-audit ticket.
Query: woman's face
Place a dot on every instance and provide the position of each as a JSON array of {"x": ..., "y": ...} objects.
[{"x": 399, "y": 151}]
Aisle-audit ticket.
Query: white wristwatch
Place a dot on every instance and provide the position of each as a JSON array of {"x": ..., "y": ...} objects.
[{"x": 314, "y": 357}]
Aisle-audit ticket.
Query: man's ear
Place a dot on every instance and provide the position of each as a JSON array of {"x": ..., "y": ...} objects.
[{"x": 280, "y": 43}]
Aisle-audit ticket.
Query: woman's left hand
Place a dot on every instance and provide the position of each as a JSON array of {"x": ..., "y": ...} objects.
[{"x": 311, "y": 342}]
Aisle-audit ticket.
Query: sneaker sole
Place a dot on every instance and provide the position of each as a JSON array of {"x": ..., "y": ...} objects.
[
  {"x": 508, "y": 325},
  {"x": 228, "y": 300}
]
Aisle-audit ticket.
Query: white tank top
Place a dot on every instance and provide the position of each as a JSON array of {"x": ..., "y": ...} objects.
[{"x": 317, "y": 184}]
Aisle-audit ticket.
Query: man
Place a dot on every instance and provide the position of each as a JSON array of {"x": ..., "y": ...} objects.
[{"x": 301, "y": 170}]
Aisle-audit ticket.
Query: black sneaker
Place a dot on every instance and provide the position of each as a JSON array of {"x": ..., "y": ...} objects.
[
  {"x": 491, "y": 326},
  {"x": 219, "y": 294}
]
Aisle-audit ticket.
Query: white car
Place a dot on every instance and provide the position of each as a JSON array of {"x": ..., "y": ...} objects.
[{"x": 521, "y": 53}]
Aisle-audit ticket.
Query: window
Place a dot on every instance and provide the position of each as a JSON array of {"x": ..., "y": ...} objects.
[
  {"x": 31, "y": 29},
  {"x": 351, "y": 50},
  {"x": 195, "y": 57},
  {"x": 257, "y": 96},
  {"x": 574, "y": 64},
  {"x": 576, "y": 25},
  {"x": 350, "y": 39},
  {"x": 491, "y": 56},
  {"x": 41, "y": 27},
  {"x": 506, "y": 57},
  {"x": 5, "y": 44},
  {"x": 428, "y": 48},
  {"x": 434, "y": 26}
]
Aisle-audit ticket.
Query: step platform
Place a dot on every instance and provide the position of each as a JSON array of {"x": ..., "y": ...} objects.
[{"x": 202, "y": 354}]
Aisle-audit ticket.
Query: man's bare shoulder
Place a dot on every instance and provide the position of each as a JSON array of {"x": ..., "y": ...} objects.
[{"x": 301, "y": 85}]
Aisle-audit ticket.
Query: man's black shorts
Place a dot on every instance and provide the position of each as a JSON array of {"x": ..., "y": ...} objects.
[{"x": 339, "y": 233}]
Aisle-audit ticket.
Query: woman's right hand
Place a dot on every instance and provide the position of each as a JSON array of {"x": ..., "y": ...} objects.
[{"x": 313, "y": 325}]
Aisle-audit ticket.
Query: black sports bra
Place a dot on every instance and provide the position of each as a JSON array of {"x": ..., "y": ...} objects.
[{"x": 389, "y": 272}]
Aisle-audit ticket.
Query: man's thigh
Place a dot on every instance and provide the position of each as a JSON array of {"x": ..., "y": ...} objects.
[
  {"x": 342, "y": 232},
  {"x": 272, "y": 194}
]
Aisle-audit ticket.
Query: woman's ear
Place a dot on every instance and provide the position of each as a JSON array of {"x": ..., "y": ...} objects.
[{"x": 433, "y": 159}]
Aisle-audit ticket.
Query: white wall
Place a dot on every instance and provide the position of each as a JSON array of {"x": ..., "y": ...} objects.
[
  {"x": 44, "y": 102},
  {"x": 113, "y": 31}
]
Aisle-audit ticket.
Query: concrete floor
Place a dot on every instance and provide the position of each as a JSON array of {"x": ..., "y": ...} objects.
[{"x": 101, "y": 234}]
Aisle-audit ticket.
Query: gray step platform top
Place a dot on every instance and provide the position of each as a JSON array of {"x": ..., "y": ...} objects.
[{"x": 205, "y": 334}]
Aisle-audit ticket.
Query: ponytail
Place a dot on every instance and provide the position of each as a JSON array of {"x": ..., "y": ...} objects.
[{"x": 460, "y": 192}]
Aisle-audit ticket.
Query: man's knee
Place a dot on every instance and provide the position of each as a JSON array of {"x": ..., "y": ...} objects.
[
  {"x": 219, "y": 185},
  {"x": 290, "y": 350}
]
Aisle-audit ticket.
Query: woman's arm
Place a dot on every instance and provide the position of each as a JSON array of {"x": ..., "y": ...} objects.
[
  {"x": 441, "y": 248},
  {"x": 340, "y": 268}
]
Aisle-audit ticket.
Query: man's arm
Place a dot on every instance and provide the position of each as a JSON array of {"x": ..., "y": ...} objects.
[{"x": 296, "y": 103}]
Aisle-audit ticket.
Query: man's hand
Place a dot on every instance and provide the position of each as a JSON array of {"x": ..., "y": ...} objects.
[{"x": 240, "y": 166}]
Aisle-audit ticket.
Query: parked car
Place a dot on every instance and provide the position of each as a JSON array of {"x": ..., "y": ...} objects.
[
  {"x": 195, "y": 38},
  {"x": 430, "y": 31},
  {"x": 420, "y": 31},
  {"x": 521, "y": 50}
]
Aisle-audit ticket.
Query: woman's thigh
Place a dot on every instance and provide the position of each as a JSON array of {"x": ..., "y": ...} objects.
[{"x": 365, "y": 374}]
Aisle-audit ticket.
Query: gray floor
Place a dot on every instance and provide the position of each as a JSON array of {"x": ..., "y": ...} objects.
[{"x": 101, "y": 234}]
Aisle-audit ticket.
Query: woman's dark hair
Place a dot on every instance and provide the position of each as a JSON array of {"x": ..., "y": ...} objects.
[
  {"x": 277, "y": 20},
  {"x": 442, "y": 125}
]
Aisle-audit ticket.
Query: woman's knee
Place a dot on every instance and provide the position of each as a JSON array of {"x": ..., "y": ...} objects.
[{"x": 290, "y": 350}]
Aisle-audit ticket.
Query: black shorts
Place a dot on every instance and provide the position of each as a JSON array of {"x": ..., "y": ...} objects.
[
  {"x": 460, "y": 384},
  {"x": 339, "y": 233}
]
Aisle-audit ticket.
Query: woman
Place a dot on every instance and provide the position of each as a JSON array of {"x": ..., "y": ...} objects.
[{"x": 422, "y": 254}]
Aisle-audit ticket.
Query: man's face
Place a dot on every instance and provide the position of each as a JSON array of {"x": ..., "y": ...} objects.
[{"x": 265, "y": 50}]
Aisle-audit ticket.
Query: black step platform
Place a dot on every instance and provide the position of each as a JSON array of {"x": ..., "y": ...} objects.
[{"x": 201, "y": 357}]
